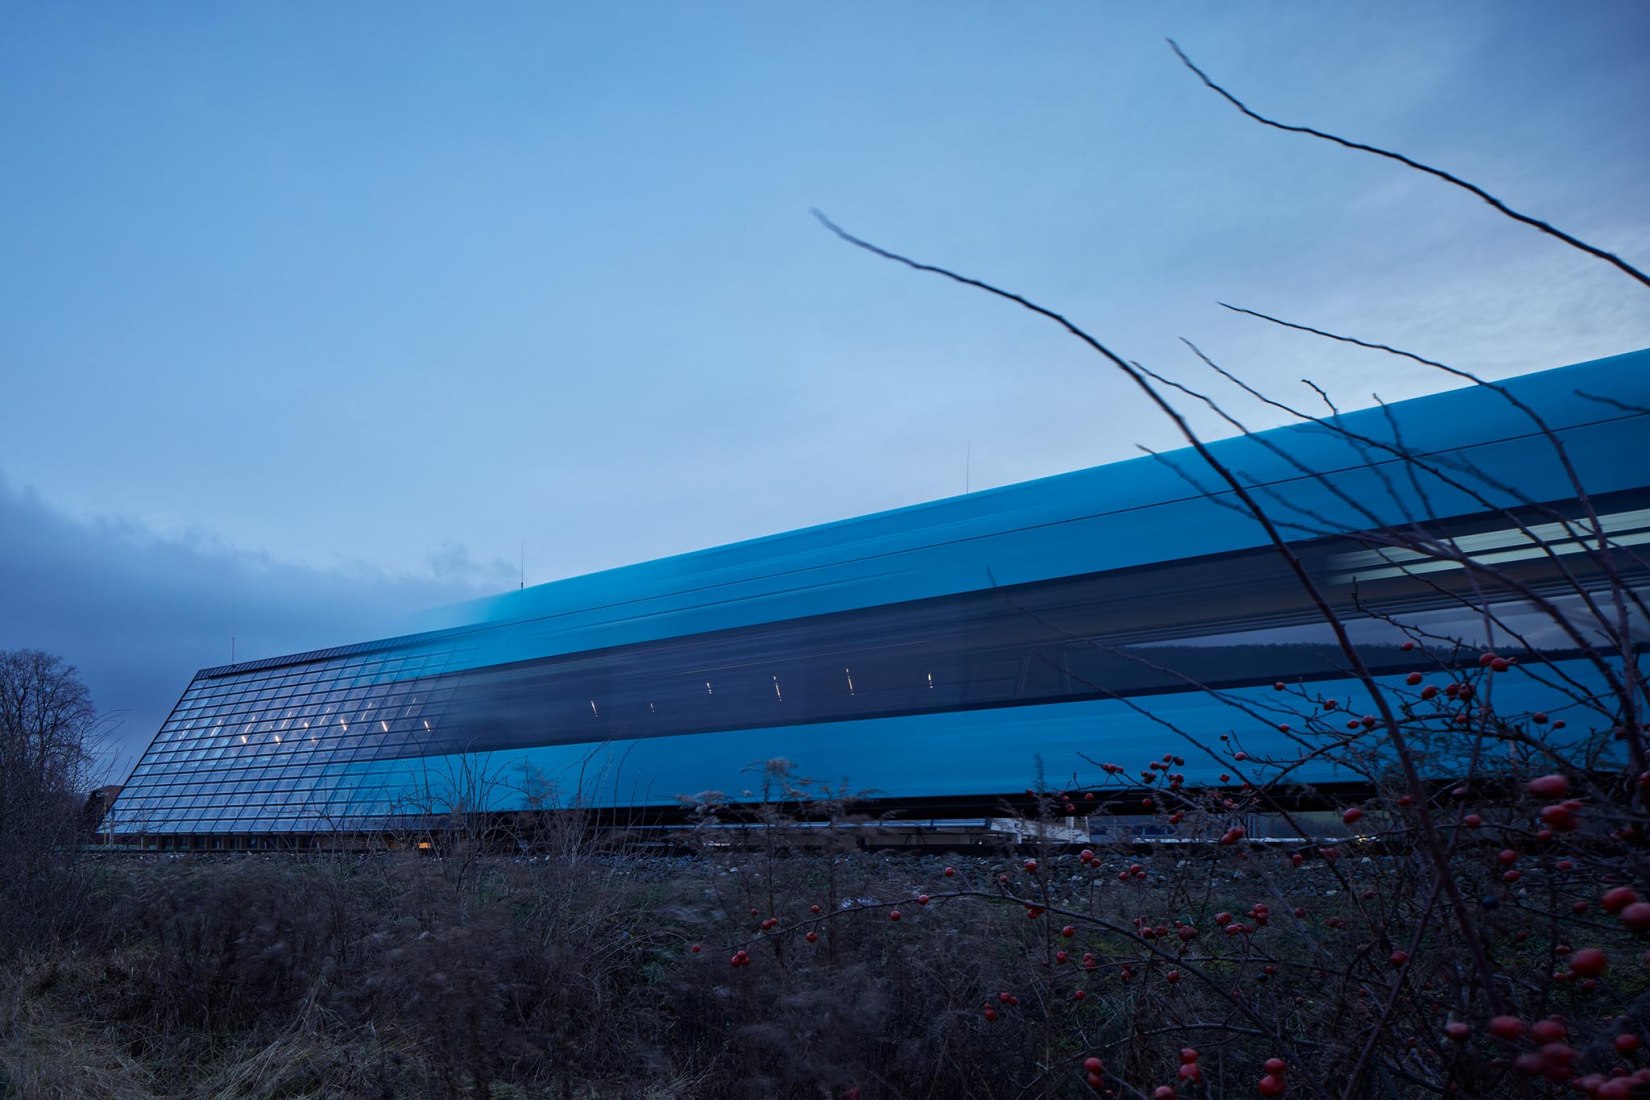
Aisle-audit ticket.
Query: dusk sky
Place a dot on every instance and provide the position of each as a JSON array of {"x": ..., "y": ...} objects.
[{"x": 315, "y": 316}]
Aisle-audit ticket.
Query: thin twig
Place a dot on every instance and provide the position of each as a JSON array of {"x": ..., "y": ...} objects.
[{"x": 1437, "y": 173}]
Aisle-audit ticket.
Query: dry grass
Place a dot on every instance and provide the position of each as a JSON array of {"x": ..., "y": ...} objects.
[{"x": 574, "y": 976}]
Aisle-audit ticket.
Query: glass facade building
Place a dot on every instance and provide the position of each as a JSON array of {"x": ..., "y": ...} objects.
[{"x": 948, "y": 649}]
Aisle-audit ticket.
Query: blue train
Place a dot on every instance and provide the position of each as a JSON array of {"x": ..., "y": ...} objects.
[{"x": 967, "y": 648}]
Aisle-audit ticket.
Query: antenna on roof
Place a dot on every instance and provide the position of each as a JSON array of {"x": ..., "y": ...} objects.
[{"x": 523, "y": 585}]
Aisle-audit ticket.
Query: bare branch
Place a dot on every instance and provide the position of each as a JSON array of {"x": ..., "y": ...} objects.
[
  {"x": 1388, "y": 716},
  {"x": 1437, "y": 173}
]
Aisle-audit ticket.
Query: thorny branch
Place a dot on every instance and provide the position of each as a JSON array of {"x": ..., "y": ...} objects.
[{"x": 1388, "y": 717}]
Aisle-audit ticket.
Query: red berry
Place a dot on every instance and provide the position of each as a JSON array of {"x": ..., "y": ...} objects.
[
  {"x": 1398, "y": 958},
  {"x": 1352, "y": 814},
  {"x": 1636, "y": 917},
  {"x": 1458, "y": 1031},
  {"x": 1275, "y": 1066},
  {"x": 1412, "y": 679},
  {"x": 922, "y": 899},
  {"x": 893, "y": 914},
  {"x": 1270, "y": 1085},
  {"x": 1589, "y": 962},
  {"x": 1562, "y": 816},
  {"x": 1188, "y": 1054},
  {"x": 990, "y": 1014},
  {"x": 1626, "y": 1043},
  {"x": 1547, "y": 1031},
  {"x": 1506, "y": 1027},
  {"x": 812, "y": 937},
  {"x": 1092, "y": 1064},
  {"x": 950, "y": 872},
  {"x": 1550, "y": 786},
  {"x": 1621, "y": 897},
  {"x": 1068, "y": 931}
]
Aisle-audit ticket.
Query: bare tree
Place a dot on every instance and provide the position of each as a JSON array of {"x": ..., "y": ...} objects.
[{"x": 48, "y": 728}]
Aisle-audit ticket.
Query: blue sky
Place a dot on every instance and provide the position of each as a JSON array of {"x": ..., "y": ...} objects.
[{"x": 314, "y": 315}]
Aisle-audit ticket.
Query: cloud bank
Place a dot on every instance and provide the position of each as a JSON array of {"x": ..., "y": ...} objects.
[{"x": 138, "y": 613}]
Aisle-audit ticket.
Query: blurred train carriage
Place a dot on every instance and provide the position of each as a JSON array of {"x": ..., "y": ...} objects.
[{"x": 942, "y": 658}]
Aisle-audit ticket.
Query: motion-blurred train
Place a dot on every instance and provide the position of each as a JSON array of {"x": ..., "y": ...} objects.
[{"x": 955, "y": 653}]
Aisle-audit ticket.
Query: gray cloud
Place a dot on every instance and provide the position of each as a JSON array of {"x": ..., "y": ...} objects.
[{"x": 137, "y": 613}]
